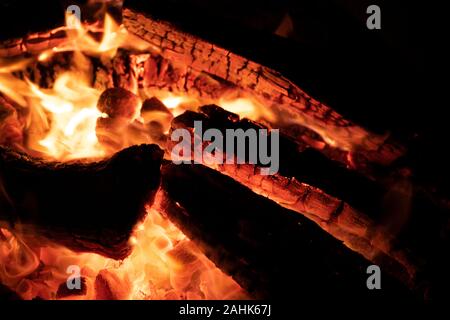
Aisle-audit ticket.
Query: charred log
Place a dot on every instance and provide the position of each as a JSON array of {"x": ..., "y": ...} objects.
[
  {"x": 382, "y": 221},
  {"x": 90, "y": 207},
  {"x": 193, "y": 58},
  {"x": 33, "y": 43},
  {"x": 269, "y": 250},
  {"x": 342, "y": 202},
  {"x": 185, "y": 64},
  {"x": 188, "y": 64}
]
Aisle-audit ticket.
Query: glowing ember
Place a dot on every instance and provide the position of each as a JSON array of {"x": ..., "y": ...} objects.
[{"x": 164, "y": 265}]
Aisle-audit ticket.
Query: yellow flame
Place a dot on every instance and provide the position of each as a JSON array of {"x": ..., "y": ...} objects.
[{"x": 164, "y": 264}]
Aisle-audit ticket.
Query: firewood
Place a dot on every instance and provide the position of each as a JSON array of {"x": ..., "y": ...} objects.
[
  {"x": 88, "y": 207},
  {"x": 190, "y": 65},
  {"x": 186, "y": 61},
  {"x": 32, "y": 43},
  {"x": 381, "y": 221},
  {"x": 270, "y": 251},
  {"x": 124, "y": 74},
  {"x": 342, "y": 202}
]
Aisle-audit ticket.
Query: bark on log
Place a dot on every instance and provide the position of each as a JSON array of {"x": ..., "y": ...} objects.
[
  {"x": 171, "y": 71},
  {"x": 117, "y": 73},
  {"x": 90, "y": 207},
  {"x": 125, "y": 73},
  {"x": 32, "y": 44},
  {"x": 192, "y": 59},
  {"x": 270, "y": 251},
  {"x": 343, "y": 203},
  {"x": 189, "y": 64}
]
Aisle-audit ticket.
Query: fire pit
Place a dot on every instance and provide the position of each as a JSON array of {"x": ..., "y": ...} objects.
[{"x": 98, "y": 199}]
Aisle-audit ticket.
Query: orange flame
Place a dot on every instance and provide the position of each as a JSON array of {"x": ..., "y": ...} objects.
[{"x": 164, "y": 264}]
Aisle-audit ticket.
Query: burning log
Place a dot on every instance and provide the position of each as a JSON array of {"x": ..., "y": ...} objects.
[
  {"x": 89, "y": 207},
  {"x": 124, "y": 74},
  {"x": 269, "y": 250},
  {"x": 342, "y": 202},
  {"x": 190, "y": 65},
  {"x": 33, "y": 43},
  {"x": 181, "y": 62},
  {"x": 188, "y": 62},
  {"x": 381, "y": 221},
  {"x": 384, "y": 227},
  {"x": 345, "y": 204}
]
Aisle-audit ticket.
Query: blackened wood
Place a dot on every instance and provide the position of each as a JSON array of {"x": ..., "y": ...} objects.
[
  {"x": 277, "y": 92},
  {"x": 309, "y": 165},
  {"x": 270, "y": 251},
  {"x": 394, "y": 224},
  {"x": 330, "y": 57},
  {"x": 343, "y": 203},
  {"x": 199, "y": 67},
  {"x": 90, "y": 207}
]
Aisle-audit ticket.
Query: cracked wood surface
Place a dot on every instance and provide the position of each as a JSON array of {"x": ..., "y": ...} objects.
[
  {"x": 331, "y": 207},
  {"x": 192, "y": 57},
  {"x": 255, "y": 240},
  {"x": 183, "y": 63}
]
